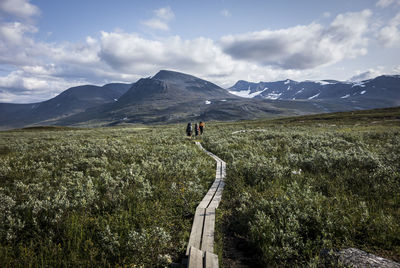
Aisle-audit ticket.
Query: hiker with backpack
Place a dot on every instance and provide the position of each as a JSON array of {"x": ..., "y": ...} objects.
[
  {"x": 201, "y": 126},
  {"x": 196, "y": 130},
  {"x": 189, "y": 130}
]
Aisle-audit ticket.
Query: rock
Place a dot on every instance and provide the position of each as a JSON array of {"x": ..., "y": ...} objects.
[{"x": 357, "y": 258}]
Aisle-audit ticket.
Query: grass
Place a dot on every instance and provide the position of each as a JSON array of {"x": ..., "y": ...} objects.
[
  {"x": 296, "y": 186},
  {"x": 125, "y": 196},
  {"x": 98, "y": 197}
]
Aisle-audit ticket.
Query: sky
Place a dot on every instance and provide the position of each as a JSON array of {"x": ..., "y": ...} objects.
[{"x": 47, "y": 46}]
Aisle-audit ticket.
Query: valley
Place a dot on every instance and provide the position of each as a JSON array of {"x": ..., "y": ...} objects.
[
  {"x": 127, "y": 195},
  {"x": 172, "y": 97}
]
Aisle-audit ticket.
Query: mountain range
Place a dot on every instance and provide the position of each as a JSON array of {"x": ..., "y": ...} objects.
[
  {"x": 170, "y": 97},
  {"x": 71, "y": 101},
  {"x": 382, "y": 91}
]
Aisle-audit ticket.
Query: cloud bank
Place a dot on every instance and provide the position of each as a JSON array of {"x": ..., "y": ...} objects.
[
  {"x": 36, "y": 71},
  {"x": 303, "y": 47},
  {"x": 19, "y": 8}
]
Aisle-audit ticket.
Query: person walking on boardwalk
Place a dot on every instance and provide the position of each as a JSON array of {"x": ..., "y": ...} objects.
[
  {"x": 196, "y": 130},
  {"x": 189, "y": 130},
  {"x": 201, "y": 126}
]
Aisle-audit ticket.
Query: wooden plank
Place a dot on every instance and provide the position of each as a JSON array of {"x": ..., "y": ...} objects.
[
  {"x": 197, "y": 230},
  {"x": 207, "y": 242},
  {"x": 203, "y": 230},
  {"x": 211, "y": 260},
  {"x": 223, "y": 170},
  {"x": 216, "y": 158},
  {"x": 217, "y": 197},
  {"x": 218, "y": 171},
  {"x": 195, "y": 258},
  {"x": 210, "y": 194}
]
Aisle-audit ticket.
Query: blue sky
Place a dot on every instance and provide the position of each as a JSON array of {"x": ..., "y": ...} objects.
[{"x": 47, "y": 46}]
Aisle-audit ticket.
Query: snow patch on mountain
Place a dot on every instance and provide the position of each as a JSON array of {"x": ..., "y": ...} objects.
[
  {"x": 359, "y": 84},
  {"x": 345, "y": 96},
  {"x": 313, "y": 97},
  {"x": 322, "y": 82},
  {"x": 207, "y": 102},
  {"x": 363, "y": 92},
  {"x": 272, "y": 96},
  {"x": 246, "y": 93}
]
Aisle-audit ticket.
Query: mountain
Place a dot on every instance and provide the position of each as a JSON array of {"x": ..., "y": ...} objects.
[
  {"x": 382, "y": 91},
  {"x": 170, "y": 86},
  {"x": 71, "y": 101},
  {"x": 170, "y": 97}
]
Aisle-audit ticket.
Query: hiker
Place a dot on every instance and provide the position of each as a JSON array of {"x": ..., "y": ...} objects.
[
  {"x": 189, "y": 129},
  {"x": 201, "y": 125},
  {"x": 196, "y": 129}
]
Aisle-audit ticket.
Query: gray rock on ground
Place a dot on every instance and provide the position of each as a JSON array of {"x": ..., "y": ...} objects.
[{"x": 357, "y": 258}]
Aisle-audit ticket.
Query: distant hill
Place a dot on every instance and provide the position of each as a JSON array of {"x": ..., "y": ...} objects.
[
  {"x": 382, "y": 91},
  {"x": 173, "y": 97},
  {"x": 170, "y": 97},
  {"x": 71, "y": 101}
]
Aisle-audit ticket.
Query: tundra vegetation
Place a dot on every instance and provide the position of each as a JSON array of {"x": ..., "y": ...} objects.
[
  {"x": 126, "y": 196},
  {"x": 98, "y": 197},
  {"x": 299, "y": 186}
]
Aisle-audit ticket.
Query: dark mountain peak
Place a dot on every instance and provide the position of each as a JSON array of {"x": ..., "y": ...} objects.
[
  {"x": 144, "y": 89},
  {"x": 119, "y": 88},
  {"x": 386, "y": 77},
  {"x": 172, "y": 87},
  {"x": 288, "y": 81},
  {"x": 186, "y": 84},
  {"x": 166, "y": 75},
  {"x": 241, "y": 84},
  {"x": 147, "y": 86},
  {"x": 79, "y": 90}
]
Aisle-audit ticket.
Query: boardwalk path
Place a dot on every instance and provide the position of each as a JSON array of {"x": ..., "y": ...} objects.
[{"x": 200, "y": 249}]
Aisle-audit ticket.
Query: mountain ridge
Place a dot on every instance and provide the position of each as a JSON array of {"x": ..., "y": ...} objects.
[
  {"x": 71, "y": 101},
  {"x": 379, "y": 92},
  {"x": 170, "y": 97}
]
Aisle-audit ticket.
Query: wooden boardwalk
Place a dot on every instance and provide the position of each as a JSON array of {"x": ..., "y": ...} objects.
[{"x": 200, "y": 249}]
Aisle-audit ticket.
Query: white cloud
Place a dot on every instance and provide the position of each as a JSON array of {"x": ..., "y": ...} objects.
[
  {"x": 369, "y": 74},
  {"x": 13, "y": 33},
  {"x": 156, "y": 24},
  {"x": 14, "y": 43},
  {"x": 303, "y": 47},
  {"x": 326, "y": 14},
  {"x": 164, "y": 13},
  {"x": 386, "y": 3},
  {"x": 226, "y": 13},
  {"x": 131, "y": 53},
  {"x": 374, "y": 72},
  {"x": 90, "y": 40},
  {"x": 22, "y": 87},
  {"x": 39, "y": 70},
  {"x": 124, "y": 57},
  {"x": 161, "y": 19},
  {"x": 19, "y": 8},
  {"x": 389, "y": 35}
]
